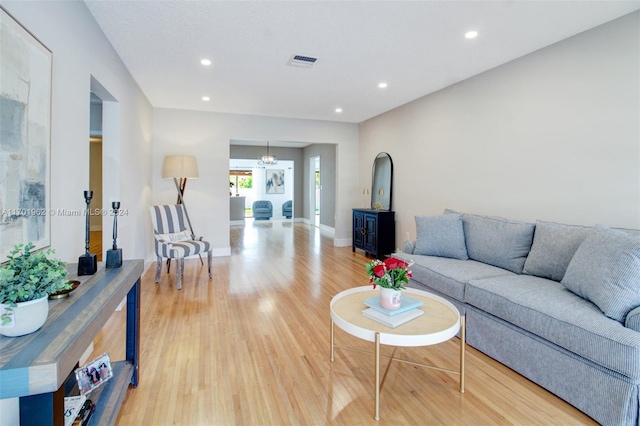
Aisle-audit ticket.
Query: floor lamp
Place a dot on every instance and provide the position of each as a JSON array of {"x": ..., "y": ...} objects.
[{"x": 181, "y": 168}]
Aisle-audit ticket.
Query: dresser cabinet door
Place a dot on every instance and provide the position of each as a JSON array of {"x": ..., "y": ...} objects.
[
  {"x": 370, "y": 240},
  {"x": 359, "y": 230}
]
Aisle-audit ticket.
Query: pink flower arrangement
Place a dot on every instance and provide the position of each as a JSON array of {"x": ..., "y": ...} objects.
[{"x": 390, "y": 273}]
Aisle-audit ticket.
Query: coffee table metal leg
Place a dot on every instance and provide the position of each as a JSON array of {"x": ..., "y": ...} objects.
[
  {"x": 377, "y": 417},
  {"x": 463, "y": 343},
  {"x": 332, "y": 324},
  {"x": 384, "y": 376}
]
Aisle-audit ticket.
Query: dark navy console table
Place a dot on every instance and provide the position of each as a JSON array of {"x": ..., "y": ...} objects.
[{"x": 36, "y": 367}]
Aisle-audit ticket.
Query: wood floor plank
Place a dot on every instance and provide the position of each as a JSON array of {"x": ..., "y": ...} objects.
[{"x": 251, "y": 347}]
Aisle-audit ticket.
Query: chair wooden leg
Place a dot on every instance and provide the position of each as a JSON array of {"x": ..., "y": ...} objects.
[
  {"x": 179, "y": 268},
  {"x": 209, "y": 256},
  {"x": 158, "y": 268},
  {"x": 168, "y": 265}
]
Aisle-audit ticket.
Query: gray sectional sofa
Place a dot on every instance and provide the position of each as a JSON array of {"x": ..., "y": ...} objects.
[{"x": 557, "y": 303}]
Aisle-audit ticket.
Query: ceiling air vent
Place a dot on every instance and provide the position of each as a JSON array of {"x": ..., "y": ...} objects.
[{"x": 301, "y": 61}]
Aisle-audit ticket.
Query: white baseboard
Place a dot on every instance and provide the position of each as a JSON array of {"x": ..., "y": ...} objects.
[
  {"x": 149, "y": 263},
  {"x": 219, "y": 252},
  {"x": 328, "y": 230},
  {"x": 215, "y": 252},
  {"x": 342, "y": 242}
]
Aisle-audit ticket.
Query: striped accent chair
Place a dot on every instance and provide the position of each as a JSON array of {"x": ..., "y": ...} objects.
[{"x": 173, "y": 240}]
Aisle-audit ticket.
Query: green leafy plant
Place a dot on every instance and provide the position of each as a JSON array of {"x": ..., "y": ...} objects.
[
  {"x": 6, "y": 317},
  {"x": 31, "y": 275},
  {"x": 391, "y": 273}
]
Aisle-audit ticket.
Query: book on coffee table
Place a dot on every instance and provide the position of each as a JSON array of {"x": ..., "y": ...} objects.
[
  {"x": 406, "y": 304},
  {"x": 392, "y": 321}
]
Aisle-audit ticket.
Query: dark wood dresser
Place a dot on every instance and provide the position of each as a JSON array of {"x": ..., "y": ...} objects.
[{"x": 374, "y": 231}]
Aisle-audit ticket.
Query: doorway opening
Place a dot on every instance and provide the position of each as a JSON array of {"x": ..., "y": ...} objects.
[
  {"x": 250, "y": 181},
  {"x": 104, "y": 124},
  {"x": 241, "y": 187},
  {"x": 95, "y": 173},
  {"x": 317, "y": 190}
]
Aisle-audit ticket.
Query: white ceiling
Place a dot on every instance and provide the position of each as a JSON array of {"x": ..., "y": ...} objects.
[{"x": 415, "y": 47}]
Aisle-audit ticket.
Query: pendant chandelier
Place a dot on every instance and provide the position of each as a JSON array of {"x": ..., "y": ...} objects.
[{"x": 267, "y": 159}]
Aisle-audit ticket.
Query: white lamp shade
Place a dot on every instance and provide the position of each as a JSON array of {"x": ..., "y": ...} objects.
[{"x": 180, "y": 166}]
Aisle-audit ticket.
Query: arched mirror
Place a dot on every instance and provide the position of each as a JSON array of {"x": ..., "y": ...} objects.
[{"x": 381, "y": 182}]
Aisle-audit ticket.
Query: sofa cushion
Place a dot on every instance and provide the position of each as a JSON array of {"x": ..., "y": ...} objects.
[
  {"x": 408, "y": 246},
  {"x": 497, "y": 241},
  {"x": 550, "y": 311},
  {"x": 632, "y": 232},
  {"x": 448, "y": 276},
  {"x": 632, "y": 320},
  {"x": 553, "y": 248},
  {"x": 440, "y": 236},
  {"x": 606, "y": 271}
]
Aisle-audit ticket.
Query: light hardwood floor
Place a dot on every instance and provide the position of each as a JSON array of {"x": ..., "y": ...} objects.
[{"x": 251, "y": 347}]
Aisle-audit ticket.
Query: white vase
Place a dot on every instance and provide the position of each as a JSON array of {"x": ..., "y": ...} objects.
[
  {"x": 390, "y": 298},
  {"x": 27, "y": 317}
]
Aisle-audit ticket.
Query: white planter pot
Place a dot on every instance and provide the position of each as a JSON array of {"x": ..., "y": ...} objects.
[
  {"x": 390, "y": 298},
  {"x": 27, "y": 317}
]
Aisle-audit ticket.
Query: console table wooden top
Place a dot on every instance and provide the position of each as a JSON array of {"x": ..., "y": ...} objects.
[{"x": 41, "y": 361}]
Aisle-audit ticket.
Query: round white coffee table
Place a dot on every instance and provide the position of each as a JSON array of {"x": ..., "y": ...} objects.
[{"x": 441, "y": 321}]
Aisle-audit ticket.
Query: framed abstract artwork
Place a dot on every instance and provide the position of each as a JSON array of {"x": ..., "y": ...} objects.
[
  {"x": 25, "y": 137},
  {"x": 275, "y": 181}
]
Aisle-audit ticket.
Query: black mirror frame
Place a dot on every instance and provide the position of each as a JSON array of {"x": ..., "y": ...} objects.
[{"x": 373, "y": 180}]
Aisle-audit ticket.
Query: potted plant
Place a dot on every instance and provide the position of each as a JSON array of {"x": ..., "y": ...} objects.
[
  {"x": 391, "y": 275},
  {"x": 26, "y": 280}
]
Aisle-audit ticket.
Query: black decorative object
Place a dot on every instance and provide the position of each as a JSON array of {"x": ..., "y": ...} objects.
[
  {"x": 87, "y": 264},
  {"x": 114, "y": 256}
]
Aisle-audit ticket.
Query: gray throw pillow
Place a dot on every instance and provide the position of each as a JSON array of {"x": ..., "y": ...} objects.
[
  {"x": 553, "y": 248},
  {"x": 498, "y": 242},
  {"x": 440, "y": 236},
  {"x": 606, "y": 271}
]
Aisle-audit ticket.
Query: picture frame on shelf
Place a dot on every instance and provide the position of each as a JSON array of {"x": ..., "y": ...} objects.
[{"x": 94, "y": 374}]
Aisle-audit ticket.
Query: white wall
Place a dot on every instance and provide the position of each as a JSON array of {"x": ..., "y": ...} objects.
[
  {"x": 207, "y": 135},
  {"x": 554, "y": 135},
  {"x": 80, "y": 51}
]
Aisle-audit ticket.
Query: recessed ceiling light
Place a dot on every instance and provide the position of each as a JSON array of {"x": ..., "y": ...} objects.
[
  {"x": 382, "y": 85},
  {"x": 471, "y": 34},
  {"x": 205, "y": 98},
  {"x": 205, "y": 62},
  {"x": 338, "y": 110}
]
